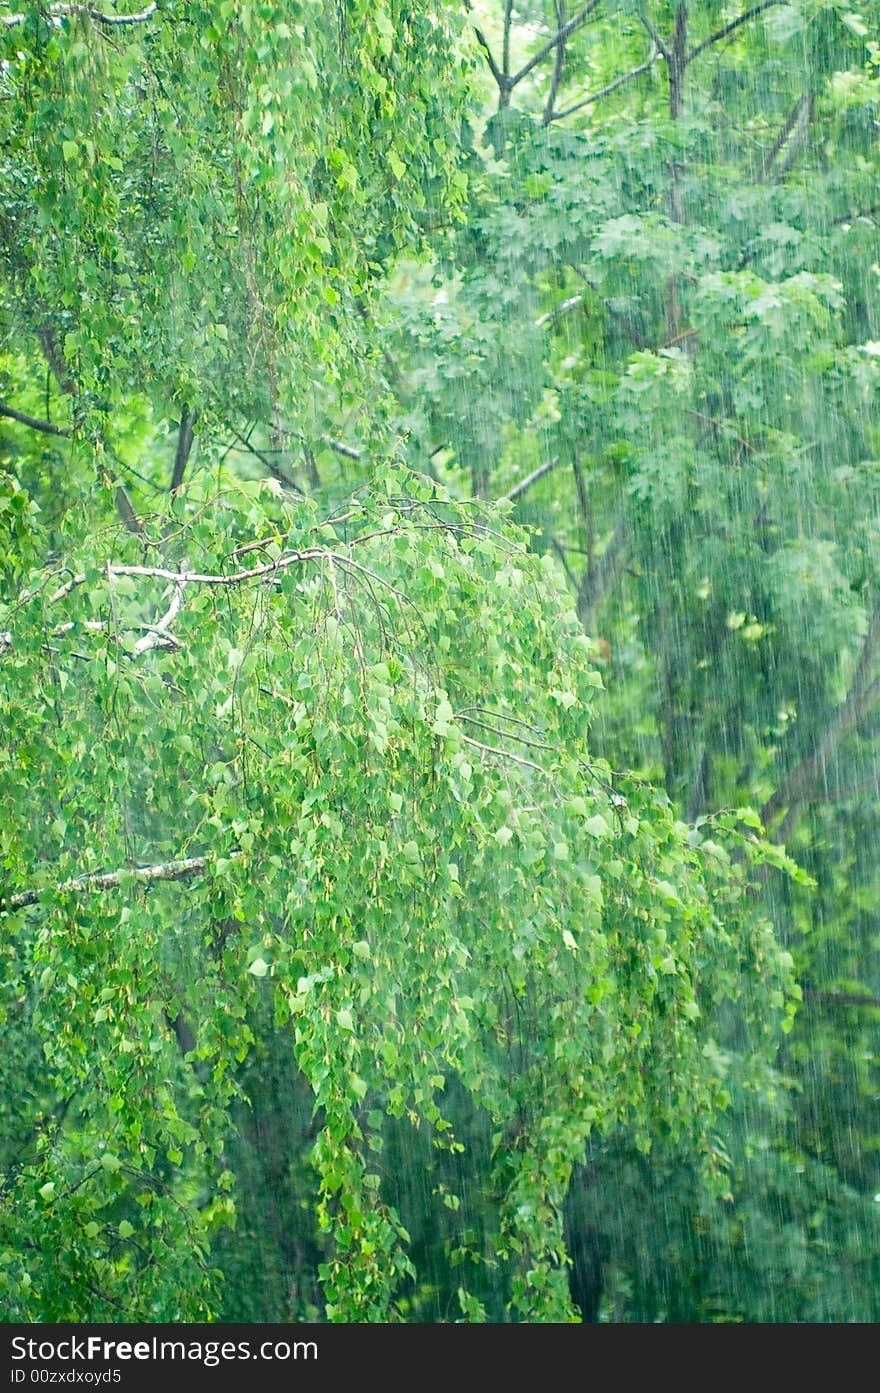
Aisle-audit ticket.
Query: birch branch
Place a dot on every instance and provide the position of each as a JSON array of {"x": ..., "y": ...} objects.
[{"x": 111, "y": 880}]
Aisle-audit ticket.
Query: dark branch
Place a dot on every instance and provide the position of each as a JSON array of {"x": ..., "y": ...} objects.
[
  {"x": 184, "y": 445},
  {"x": 796, "y": 789},
  {"x": 500, "y": 77},
  {"x": 265, "y": 459},
  {"x": 505, "y": 43},
  {"x": 558, "y": 65},
  {"x": 729, "y": 28},
  {"x": 599, "y": 579},
  {"x": 655, "y": 38},
  {"x": 558, "y": 38},
  {"x": 856, "y": 214},
  {"x": 125, "y": 509},
  {"x": 841, "y": 998},
  {"x": 32, "y": 422},
  {"x": 611, "y": 87},
  {"x": 788, "y": 126}
]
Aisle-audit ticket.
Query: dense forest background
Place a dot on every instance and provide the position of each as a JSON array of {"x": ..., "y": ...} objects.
[{"x": 440, "y": 661}]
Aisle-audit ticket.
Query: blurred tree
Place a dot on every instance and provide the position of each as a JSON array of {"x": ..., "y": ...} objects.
[{"x": 657, "y": 332}]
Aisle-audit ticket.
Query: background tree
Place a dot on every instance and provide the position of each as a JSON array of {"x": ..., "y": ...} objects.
[{"x": 656, "y": 331}]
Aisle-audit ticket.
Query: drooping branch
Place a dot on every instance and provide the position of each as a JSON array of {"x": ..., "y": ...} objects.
[
  {"x": 797, "y": 788},
  {"x": 111, "y": 880},
  {"x": 47, "y": 427}
]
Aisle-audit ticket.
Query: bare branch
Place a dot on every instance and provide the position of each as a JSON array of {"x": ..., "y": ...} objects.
[
  {"x": 526, "y": 483},
  {"x": 505, "y": 43},
  {"x": 558, "y": 38},
  {"x": 598, "y": 579},
  {"x": 111, "y": 880},
  {"x": 125, "y": 509},
  {"x": 856, "y": 214},
  {"x": 500, "y": 77},
  {"x": 797, "y": 787},
  {"x": 273, "y": 468},
  {"x": 788, "y": 126},
  {"x": 729, "y": 28},
  {"x": 32, "y": 422},
  {"x": 612, "y": 86},
  {"x": 841, "y": 998},
  {"x": 558, "y": 311},
  {"x": 558, "y": 65},
  {"x": 655, "y": 38},
  {"x": 503, "y": 754}
]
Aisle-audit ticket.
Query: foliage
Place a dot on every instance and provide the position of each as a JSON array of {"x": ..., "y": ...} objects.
[
  {"x": 656, "y": 329},
  {"x": 334, "y": 952}
]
